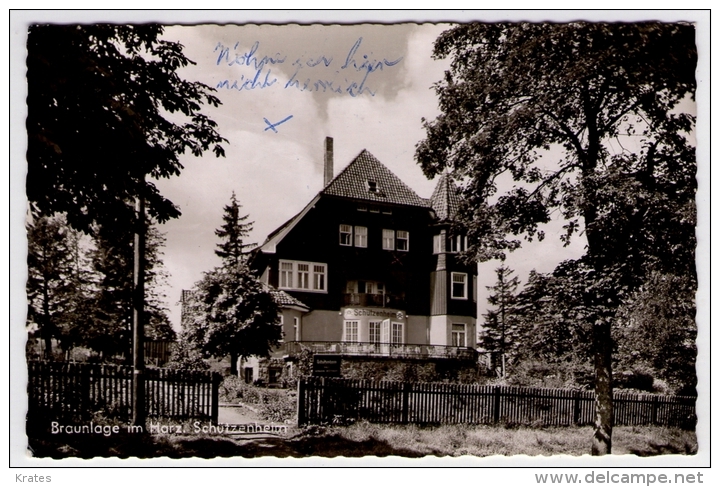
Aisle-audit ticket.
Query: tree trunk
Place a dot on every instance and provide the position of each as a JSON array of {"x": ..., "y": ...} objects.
[
  {"x": 602, "y": 338},
  {"x": 602, "y": 439},
  {"x": 138, "y": 322}
]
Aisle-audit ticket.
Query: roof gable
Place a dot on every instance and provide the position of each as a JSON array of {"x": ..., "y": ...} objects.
[
  {"x": 445, "y": 200},
  {"x": 366, "y": 178}
]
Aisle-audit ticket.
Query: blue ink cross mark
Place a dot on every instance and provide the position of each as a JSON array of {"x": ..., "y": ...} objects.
[{"x": 273, "y": 125}]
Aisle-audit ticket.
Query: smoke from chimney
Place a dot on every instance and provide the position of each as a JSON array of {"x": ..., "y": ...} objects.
[{"x": 328, "y": 160}]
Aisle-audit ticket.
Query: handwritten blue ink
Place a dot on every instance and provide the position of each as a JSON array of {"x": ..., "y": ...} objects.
[
  {"x": 366, "y": 65},
  {"x": 248, "y": 83},
  {"x": 356, "y": 66},
  {"x": 271, "y": 126},
  {"x": 246, "y": 58}
]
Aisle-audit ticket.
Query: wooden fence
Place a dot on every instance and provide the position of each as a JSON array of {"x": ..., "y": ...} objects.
[
  {"x": 76, "y": 391},
  {"x": 325, "y": 400}
]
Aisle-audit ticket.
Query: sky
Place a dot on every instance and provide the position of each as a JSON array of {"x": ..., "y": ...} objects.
[{"x": 376, "y": 86}]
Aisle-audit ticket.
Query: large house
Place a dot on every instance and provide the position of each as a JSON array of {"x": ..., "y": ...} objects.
[{"x": 369, "y": 269}]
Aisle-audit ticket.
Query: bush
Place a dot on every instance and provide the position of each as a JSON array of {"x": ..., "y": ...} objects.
[{"x": 272, "y": 404}]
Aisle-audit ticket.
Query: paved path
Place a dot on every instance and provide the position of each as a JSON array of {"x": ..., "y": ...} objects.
[{"x": 237, "y": 415}]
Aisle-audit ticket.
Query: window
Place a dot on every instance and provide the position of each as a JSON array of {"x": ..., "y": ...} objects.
[
  {"x": 303, "y": 276},
  {"x": 388, "y": 240},
  {"x": 345, "y": 235},
  {"x": 397, "y": 333},
  {"x": 372, "y": 186},
  {"x": 403, "y": 240},
  {"x": 318, "y": 277},
  {"x": 286, "y": 275},
  {"x": 282, "y": 322},
  {"x": 360, "y": 236},
  {"x": 459, "y": 285},
  {"x": 362, "y": 208},
  {"x": 296, "y": 328},
  {"x": 351, "y": 331},
  {"x": 375, "y": 331},
  {"x": 458, "y": 335},
  {"x": 308, "y": 276},
  {"x": 458, "y": 243},
  {"x": 437, "y": 244}
]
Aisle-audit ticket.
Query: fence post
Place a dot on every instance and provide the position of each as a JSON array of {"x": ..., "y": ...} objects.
[
  {"x": 576, "y": 408},
  {"x": 406, "y": 402},
  {"x": 215, "y": 398},
  {"x": 301, "y": 402},
  {"x": 655, "y": 402},
  {"x": 496, "y": 408}
]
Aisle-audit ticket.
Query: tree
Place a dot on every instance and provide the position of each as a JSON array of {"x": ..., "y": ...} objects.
[
  {"x": 112, "y": 261},
  {"x": 587, "y": 119},
  {"x": 554, "y": 322},
  {"x": 57, "y": 285},
  {"x": 232, "y": 233},
  {"x": 106, "y": 107},
  {"x": 657, "y": 330},
  {"x": 500, "y": 328},
  {"x": 230, "y": 312}
]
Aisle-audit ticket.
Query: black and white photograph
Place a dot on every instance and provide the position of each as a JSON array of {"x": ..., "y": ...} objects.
[{"x": 475, "y": 239}]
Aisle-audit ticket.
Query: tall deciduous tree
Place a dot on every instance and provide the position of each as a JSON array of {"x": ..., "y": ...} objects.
[
  {"x": 587, "y": 119},
  {"x": 232, "y": 234},
  {"x": 106, "y": 107}
]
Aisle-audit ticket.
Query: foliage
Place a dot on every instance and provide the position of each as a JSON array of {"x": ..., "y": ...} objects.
[
  {"x": 657, "y": 331},
  {"x": 105, "y": 108},
  {"x": 586, "y": 119},
  {"x": 58, "y": 283},
  {"x": 80, "y": 287},
  {"x": 232, "y": 233},
  {"x": 554, "y": 316},
  {"x": 515, "y": 91},
  {"x": 500, "y": 331},
  {"x": 272, "y": 404},
  {"x": 184, "y": 355},
  {"x": 112, "y": 310},
  {"x": 230, "y": 312}
]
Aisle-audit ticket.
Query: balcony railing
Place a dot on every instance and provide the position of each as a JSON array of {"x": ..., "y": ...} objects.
[
  {"x": 388, "y": 350},
  {"x": 373, "y": 300}
]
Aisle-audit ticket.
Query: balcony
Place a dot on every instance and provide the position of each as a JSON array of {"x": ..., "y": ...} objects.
[
  {"x": 373, "y": 300},
  {"x": 386, "y": 350}
]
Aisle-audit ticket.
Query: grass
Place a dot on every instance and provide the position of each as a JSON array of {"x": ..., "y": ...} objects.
[{"x": 364, "y": 439}]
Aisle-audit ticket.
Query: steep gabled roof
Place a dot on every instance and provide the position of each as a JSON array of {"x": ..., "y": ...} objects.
[
  {"x": 366, "y": 178},
  {"x": 445, "y": 200}
]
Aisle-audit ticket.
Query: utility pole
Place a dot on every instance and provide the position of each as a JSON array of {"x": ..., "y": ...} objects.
[{"x": 138, "y": 332}]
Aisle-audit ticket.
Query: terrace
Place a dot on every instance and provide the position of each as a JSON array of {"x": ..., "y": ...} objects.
[{"x": 386, "y": 350}]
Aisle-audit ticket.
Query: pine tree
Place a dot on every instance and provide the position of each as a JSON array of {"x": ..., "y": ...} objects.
[
  {"x": 232, "y": 233},
  {"x": 500, "y": 329}
]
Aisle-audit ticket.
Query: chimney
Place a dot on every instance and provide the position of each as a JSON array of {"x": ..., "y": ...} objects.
[{"x": 328, "y": 160}]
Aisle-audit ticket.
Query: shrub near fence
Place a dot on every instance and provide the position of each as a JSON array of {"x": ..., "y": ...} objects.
[
  {"x": 325, "y": 400},
  {"x": 76, "y": 391}
]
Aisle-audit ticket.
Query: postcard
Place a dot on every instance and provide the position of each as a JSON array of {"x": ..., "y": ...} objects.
[{"x": 476, "y": 240}]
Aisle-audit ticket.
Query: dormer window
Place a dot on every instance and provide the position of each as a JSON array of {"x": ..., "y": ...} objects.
[{"x": 372, "y": 186}]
